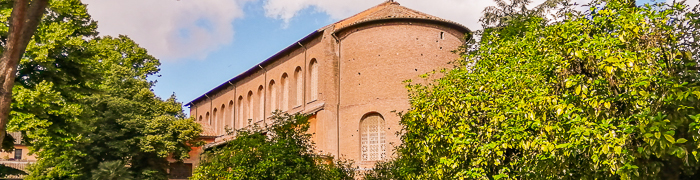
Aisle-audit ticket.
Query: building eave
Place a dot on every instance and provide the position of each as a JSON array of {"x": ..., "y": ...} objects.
[
  {"x": 447, "y": 23},
  {"x": 256, "y": 68}
]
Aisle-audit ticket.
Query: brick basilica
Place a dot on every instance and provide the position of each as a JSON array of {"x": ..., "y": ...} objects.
[{"x": 348, "y": 76}]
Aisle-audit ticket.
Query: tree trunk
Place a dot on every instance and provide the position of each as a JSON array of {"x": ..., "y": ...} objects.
[{"x": 24, "y": 21}]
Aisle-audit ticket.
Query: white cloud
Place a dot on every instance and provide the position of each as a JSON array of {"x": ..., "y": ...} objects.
[
  {"x": 168, "y": 28},
  {"x": 466, "y": 12},
  {"x": 177, "y": 29},
  {"x": 337, "y": 9},
  {"x": 690, "y": 3}
]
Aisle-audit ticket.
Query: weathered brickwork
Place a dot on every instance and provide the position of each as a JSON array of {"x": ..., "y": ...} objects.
[{"x": 361, "y": 64}]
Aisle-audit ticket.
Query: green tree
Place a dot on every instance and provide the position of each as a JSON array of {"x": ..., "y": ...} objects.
[
  {"x": 81, "y": 100},
  {"x": 10, "y": 171},
  {"x": 15, "y": 35},
  {"x": 111, "y": 170},
  {"x": 609, "y": 93},
  {"x": 281, "y": 151}
]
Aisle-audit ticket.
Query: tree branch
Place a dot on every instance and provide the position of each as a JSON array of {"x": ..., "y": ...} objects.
[
  {"x": 36, "y": 10},
  {"x": 24, "y": 20}
]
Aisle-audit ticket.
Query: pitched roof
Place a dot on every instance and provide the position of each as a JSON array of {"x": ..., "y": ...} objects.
[
  {"x": 383, "y": 11},
  {"x": 17, "y": 136},
  {"x": 386, "y": 10},
  {"x": 208, "y": 131}
]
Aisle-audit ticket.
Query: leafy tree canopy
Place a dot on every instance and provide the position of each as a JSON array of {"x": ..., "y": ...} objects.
[
  {"x": 281, "y": 151},
  {"x": 111, "y": 170},
  {"x": 81, "y": 100},
  {"x": 608, "y": 93}
]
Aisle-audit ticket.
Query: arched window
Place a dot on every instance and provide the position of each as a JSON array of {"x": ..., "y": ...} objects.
[
  {"x": 261, "y": 100},
  {"x": 299, "y": 86},
  {"x": 314, "y": 79},
  {"x": 372, "y": 137},
  {"x": 220, "y": 123},
  {"x": 232, "y": 122},
  {"x": 213, "y": 119},
  {"x": 200, "y": 118},
  {"x": 208, "y": 119},
  {"x": 273, "y": 96},
  {"x": 285, "y": 92},
  {"x": 239, "y": 119},
  {"x": 249, "y": 116}
]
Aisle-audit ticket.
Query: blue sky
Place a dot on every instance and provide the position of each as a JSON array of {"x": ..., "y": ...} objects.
[
  {"x": 256, "y": 38},
  {"x": 203, "y": 43}
]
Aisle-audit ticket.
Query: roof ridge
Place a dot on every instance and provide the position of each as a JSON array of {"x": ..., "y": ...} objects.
[
  {"x": 375, "y": 13},
  {"x": 394, "y": 9},
  {"x": 373, "y": 8}
]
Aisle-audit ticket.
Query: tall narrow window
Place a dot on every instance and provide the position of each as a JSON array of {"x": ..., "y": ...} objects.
[
  {"x": 18, "y": 154},
  {"x": 314, "y": 79},
  {"x": 232, "y": 112},
  {"x": 299, "y": 86},
  {"x": 273, "y": 96},
  {"x": 373, "y": 147},
  {"x": 250, "y": 106},
  {"x": 261, "y": 100},
  {"x": 213, "y": 119},
  {"x": 285, "y": 92},
  {"x": 221, "y": 123},
  {"x": 239, "y": 119},
  {"x": 208, "y": 118},
  {"x": 200, "y": 118}
]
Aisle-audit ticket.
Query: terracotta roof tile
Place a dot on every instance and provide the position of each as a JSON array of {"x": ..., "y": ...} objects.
[
  {"x": 386, "y": 10},
  {"x": 208, "y": 131}
]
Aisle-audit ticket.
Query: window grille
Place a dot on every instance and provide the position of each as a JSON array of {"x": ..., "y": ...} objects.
[{"x": 373, "y": 138}]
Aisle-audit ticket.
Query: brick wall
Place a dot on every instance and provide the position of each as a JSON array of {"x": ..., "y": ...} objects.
[{"x": 361, "y": 69}]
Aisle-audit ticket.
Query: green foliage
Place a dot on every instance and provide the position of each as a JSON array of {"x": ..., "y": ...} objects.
[
  {"x": 81, "y": 100},
  {"x": 111, "y": 170},
  {"x": 8, "y": 144},
  {"x": 10, "y": 171},
  {"x": 610, "y": 93},
  {"x": 281, "y": 151}
]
